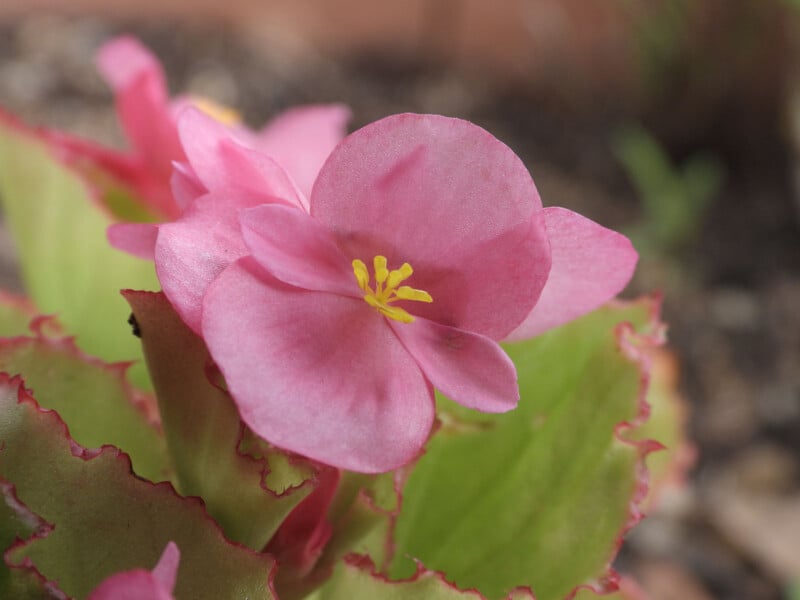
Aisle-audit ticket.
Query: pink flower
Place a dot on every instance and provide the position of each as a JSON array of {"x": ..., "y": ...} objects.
[
  {"x": 300, "y": 139},
  {"x": 139, "y": 583},
  {"x": 425, "y": 243}
]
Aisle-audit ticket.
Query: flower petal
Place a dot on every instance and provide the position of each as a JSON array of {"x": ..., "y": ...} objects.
[
  {"x": 138, "y": 584},
  {"x": 297, "y": 249},
  {"x": 186, "y": 186},
  {"x": 193, "y": 250},
  {"x": 138, "y": 239},
  {"x": 591, "y": 265},
  {"x": 142, "y": 102},
  {"x": 124, "y": 59},
  {"x": 222, "y": 163},
  {"x": 301, "y": 139},
  {"x": 316, "y": 373},
  {"x": 450, "y": 199},
  {"x": 468, "y": 368},
  {"x": 166, "y": 571},
  {"x": 130, "y": 585}
]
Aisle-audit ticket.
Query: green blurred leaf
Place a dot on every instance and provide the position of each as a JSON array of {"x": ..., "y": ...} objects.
[
  {"x": 67, "y": 265},
  {"x": 674, "y": 201},
  {"x": 104, "y": 519},
  {"x": 16, "y": 314},
  {"x": 93, "y": 398},
  {"x": 249, "y": 489},
  {"x": 539, "y": 496}
]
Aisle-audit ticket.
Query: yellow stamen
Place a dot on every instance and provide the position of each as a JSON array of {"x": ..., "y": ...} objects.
[
  {"x": 223, "y": 114},
  {"x": 362, "y": 275},
  {"x": 386, "y": 290}
]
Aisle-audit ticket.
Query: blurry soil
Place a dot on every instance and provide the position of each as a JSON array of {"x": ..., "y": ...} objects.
[{"x": 731, "y": 296}]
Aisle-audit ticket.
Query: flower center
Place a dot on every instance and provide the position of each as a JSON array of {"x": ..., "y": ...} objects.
[
  {"x": 386, "y": 288},
  {"x": 223, "y": 114}
]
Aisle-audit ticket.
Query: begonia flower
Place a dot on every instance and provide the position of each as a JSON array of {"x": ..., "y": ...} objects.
[
  {"x": 300, "y": 139},
  {"x": 424, "y": 244},
  {"x": 139, "y": 584}
]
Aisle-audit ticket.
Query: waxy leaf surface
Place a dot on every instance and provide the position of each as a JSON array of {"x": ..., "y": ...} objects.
[
  {"x": 67, "y": 265},
  {"x": 105, "y": 520},
  {"x": 93, "y": 398},
  {"x": 540, "y": 496},
  {"x": 249, "y": 491},
  {"x": 17, "y": 524},
  {"x": 355, "y": 578}
]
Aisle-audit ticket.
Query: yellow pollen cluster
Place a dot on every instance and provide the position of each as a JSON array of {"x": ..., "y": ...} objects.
[
  {"x": 386, "y": 288},
  {"x": 223, "y": 114}
]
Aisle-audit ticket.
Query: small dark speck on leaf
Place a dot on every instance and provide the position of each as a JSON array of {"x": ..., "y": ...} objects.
[{"x": 134, "y": 326}]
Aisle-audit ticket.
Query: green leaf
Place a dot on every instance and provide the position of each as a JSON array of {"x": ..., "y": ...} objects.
[
  {"x": 541, "y": 495},
  {"x": 248, "y": 487},
  {"x": 363, "y": 514},
  {"x": 16, "y": 524},
  {"x": 674, "y": 201},
  {"x": 667, "y": 424},
  {"x": 67, "y": 265},
  {"x": 628, "y": 590},
  {"x": 93, "y": 398},
  {"x": 356, "y": 578},
  {"x": 16, "y": 315},
  {"x": 104, "y": 520}
]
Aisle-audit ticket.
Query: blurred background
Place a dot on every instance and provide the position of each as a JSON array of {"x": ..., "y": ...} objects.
[{"x": 674, "y": 121}]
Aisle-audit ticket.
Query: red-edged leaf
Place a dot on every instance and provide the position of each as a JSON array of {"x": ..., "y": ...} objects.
[
  {"x": 102, "y": 520},
  {"x": 94, "y": 398},
  {"x": 19, "y": 316},
  {"x": 249, "y": 488},
  {"x": 667, "y": 424},
  {"x": 58, "y": 221},
  {"x": 540, "y": 496},
  {"x": 356, "y": 578}
]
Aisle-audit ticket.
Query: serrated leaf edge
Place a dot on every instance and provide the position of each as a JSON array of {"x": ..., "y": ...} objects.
[
  {"x": 633, "y": 344},
  {"x": 24, "y": 396}
]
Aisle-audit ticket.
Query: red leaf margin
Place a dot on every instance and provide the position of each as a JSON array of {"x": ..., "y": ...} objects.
[
  {"x": 47, "y": 330},
  {"x": 365, "y": 564},
  {"x": 637, "y": 347},
  {"x": 43, "y": 528}
]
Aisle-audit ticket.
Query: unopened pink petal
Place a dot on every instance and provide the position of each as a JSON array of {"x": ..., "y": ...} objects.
[
  {"x": 450, "y": 199},
  {"x": 186, "y": 187},
  {"x": 301, "y": 139},
  {"x": 468, "y": 368},
  {"x": 130, "y": 585},
  {"x": 297, "y": 249},
  {"x": 316, "y": 373},
  {"x": 193, "y": 250},
  {"x": 591, "y": 265},
  {"x": 139, "y": 584},
  {"x": 142, "y": 102},
  {"x": 222, "y": 163},
  {"x": 124, "y": 59},
  {"x": 166, "y": 571}
]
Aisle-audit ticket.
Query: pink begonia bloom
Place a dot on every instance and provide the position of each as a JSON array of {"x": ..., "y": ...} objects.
[
  {"x": 140, "y": 584},
  {"x": 300, "y": 139},
  {"x": 424, "y": 244}
]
